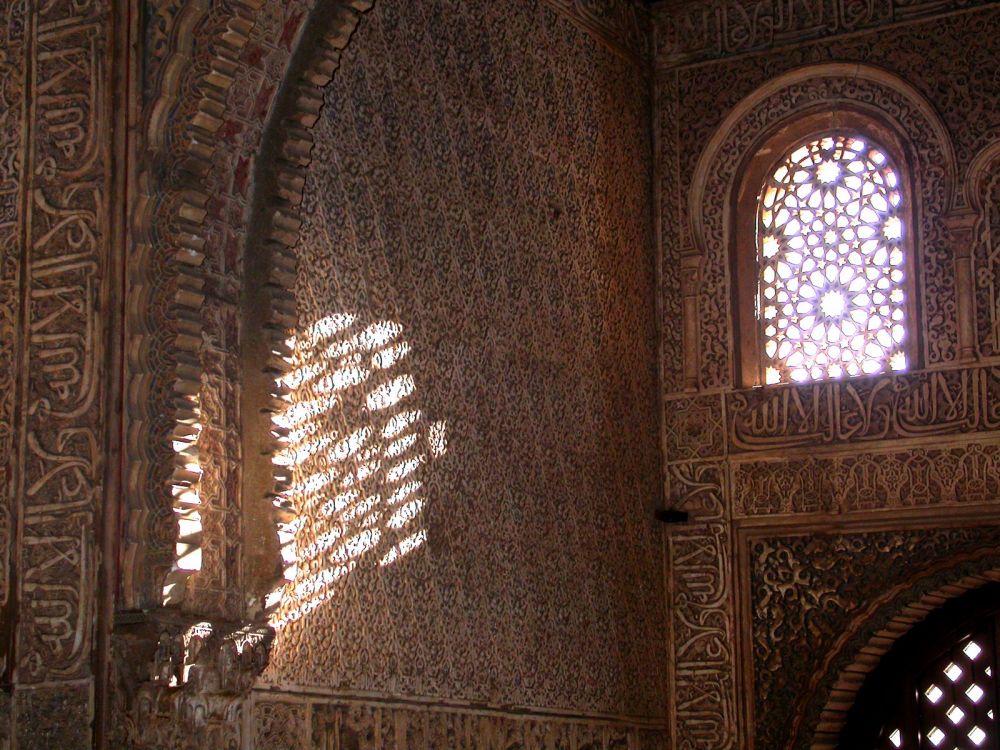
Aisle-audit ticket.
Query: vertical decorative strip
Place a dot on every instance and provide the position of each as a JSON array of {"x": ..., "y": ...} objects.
[
  {"x": 961, "y": 235},
  {"x": 703, "y": 707},
  {"x": 60, "y": 407},
  {"x": 12, "y": 116}
]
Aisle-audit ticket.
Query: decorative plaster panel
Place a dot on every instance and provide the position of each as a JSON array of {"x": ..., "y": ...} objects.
[
  {"x": 474, "y": 482},
  {"x": 688, "y": 33}
]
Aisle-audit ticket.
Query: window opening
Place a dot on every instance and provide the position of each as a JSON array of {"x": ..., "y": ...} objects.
[
  {"x": 831, "y": 299},
  {"x": 956, "y": 701},
  {"x": 937, "y": 687}
]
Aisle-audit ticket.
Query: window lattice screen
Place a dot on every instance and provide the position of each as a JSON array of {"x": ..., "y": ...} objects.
[
  {"x": 830, "y": 298},
  {"x": 953, "y": 705}
]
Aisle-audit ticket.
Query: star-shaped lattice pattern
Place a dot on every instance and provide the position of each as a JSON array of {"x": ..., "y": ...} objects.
[{"x": 831, "y": 300}]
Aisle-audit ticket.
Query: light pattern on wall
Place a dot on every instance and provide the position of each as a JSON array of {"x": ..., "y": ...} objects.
[
  {"x": 355, "y": 445},
  {"x": 831, "y": 298},
  {"x": 187, "y": 506}
]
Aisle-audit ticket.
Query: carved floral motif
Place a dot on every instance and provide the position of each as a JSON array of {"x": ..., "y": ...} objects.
[
  {"x": 868, "y": 481},
  {"x": 182, "y": 685}
]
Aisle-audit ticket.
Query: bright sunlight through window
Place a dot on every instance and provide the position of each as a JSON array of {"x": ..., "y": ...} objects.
[{"x": 830, "y": 298}]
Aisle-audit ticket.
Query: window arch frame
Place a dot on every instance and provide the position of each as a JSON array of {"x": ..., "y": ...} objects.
[{"x": 764, "y": 157}]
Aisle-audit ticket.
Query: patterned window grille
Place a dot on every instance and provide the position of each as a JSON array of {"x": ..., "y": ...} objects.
[
  {"x": 953, "y": 703},
  {"x": 831, "y": 299}
]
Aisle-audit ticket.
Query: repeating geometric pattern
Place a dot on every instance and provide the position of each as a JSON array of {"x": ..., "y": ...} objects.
[
  {"x": 472, "y": 452},
  {"x": 830, "y": 297}
]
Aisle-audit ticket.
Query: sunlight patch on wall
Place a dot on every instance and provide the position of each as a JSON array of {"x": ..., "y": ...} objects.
[{"x": 355, "y": 451}]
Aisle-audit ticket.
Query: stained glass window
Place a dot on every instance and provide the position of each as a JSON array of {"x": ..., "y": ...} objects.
[{"x": 831, "y": 298}]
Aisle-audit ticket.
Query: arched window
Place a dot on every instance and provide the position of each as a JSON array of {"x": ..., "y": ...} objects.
[
  {"x": 830, "y": 293},
  {"x": 831, "y": 299},
  {"x": 937, "y": 687}
]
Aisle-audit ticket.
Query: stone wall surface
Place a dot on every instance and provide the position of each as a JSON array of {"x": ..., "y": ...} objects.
[{"x": 474, "y": 455}]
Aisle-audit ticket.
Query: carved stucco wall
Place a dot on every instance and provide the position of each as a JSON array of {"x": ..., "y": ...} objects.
[
  {"x": 55, "y": 275},
  {"x": 760, "y": 491},
  {"x": 808, "y": 503},
  {"x": 176, "y": 95},
  {"x": 474, "y": 287},
  {"x": 206, "y": 79}
]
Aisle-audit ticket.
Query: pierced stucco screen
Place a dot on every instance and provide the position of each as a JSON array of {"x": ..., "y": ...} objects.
[{"x": 830, "y": 297}]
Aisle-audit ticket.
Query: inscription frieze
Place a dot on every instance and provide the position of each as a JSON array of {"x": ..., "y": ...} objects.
[
  {"x": 911, "y": 405},
  {"x": 693, "y": 32},
  {"x": 12, "y": 105},
  {"x": 60, "y": 480},
  {"x": 704, "y": 702}
]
